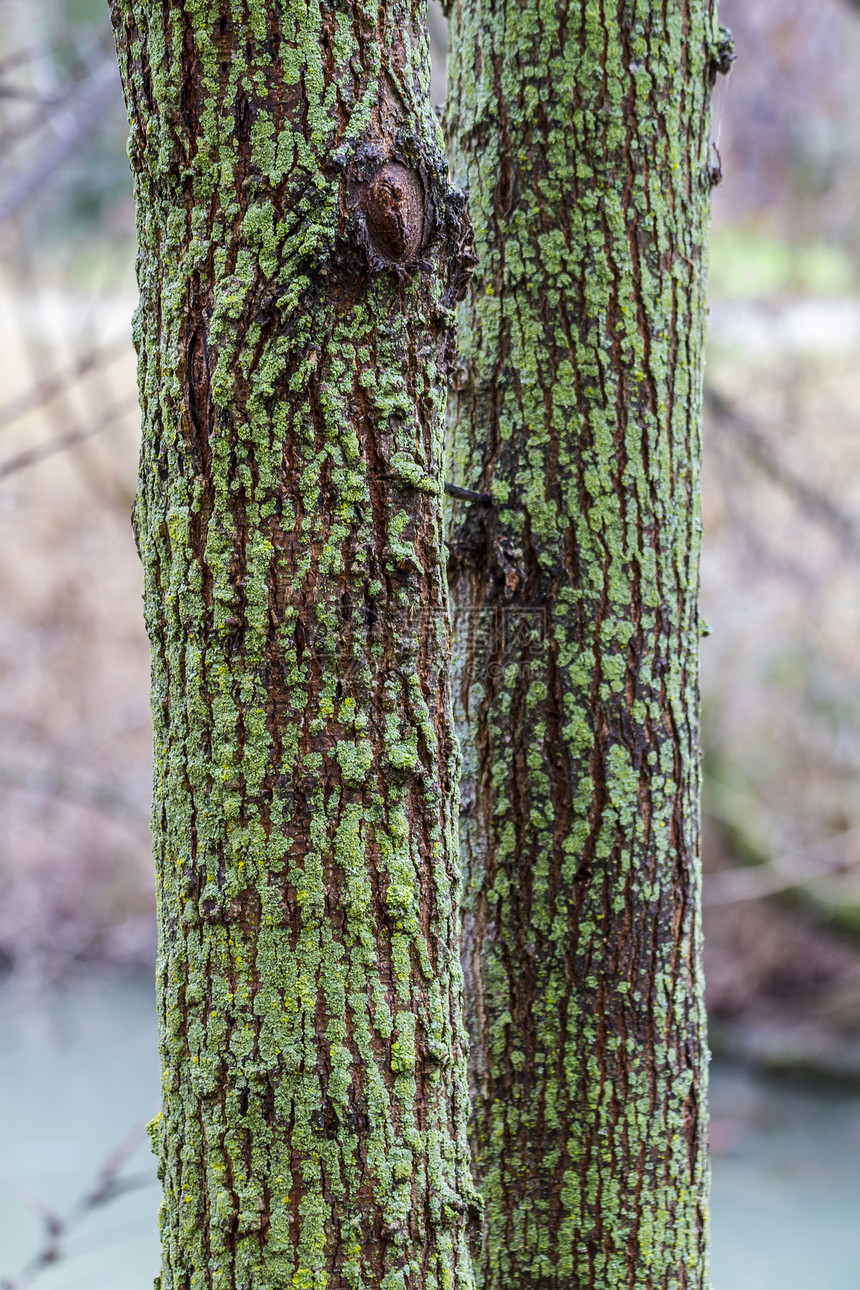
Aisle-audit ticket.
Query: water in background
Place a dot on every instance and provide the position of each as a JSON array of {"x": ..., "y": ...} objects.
[
  {"x": 78, "y": 1077},
  {"x": 786, "y": 1189},
  {"x": 79, "y": 1072}
]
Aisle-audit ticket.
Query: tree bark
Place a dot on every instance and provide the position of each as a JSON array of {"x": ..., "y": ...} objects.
[
  {"x": 582, "y": 133},
  {"x": 300, "y": 253}
]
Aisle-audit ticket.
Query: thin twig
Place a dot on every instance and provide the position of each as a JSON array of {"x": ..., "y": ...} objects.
[
  {"x": 70, "y": 135},
  {"x": 782, "y": 873},
  {"x": 12, "y": 136},
  {"x": 68, "y": 439},
  {"x": 106, "y": 1186},
  {"x": 468, "y": 495},
  {"x": 58, "y": 382},
  {"x": 28, "y": 1196},
  {"x": 48, "y": 47},
  {"x": 814, "y": 502}
]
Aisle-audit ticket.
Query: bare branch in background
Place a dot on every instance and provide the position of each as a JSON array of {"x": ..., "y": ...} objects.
[
  {"x": 106, "y": 1186},
  {"x": 77, "y": 44},
  {"x": 68, "y": 439},
  {"x": 29, "y": 1197},
  {"x": 23, "y": 94},
  {"x": 49, "y": 388},
  {"x": 782, "y": 873},
  {"x": 50, "y": 103},
  {"x": 19, "y": 57},
  {"x": 816, "y": 504},
  {"x": 70, "y": 131}
]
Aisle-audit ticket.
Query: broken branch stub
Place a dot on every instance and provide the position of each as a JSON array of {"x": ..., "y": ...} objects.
[{"x": 394, "y": 213}]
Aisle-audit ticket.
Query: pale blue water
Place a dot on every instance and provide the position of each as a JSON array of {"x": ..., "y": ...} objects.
[
  {"x": 786, "y": 1189},
  {"x": 77, "y": 1073}
]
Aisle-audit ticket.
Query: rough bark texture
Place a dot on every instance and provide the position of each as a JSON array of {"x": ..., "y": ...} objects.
[
  {"x": 581, "y": 131},
  {"x": 298, "y": 264}
]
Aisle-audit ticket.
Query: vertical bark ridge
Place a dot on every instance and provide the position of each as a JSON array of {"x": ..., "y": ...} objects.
[
  {"x": 298, "y": 265},
  {"x": 581, "y": 130}
]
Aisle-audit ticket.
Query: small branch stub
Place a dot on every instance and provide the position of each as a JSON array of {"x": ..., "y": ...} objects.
[
  {"x": 468, "y": 495},
  {"x": 723, "y": 55},
  {"x": 394, "y": 213}
]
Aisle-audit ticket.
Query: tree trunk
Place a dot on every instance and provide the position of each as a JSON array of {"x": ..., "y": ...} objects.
[
  {"x": 582, "y": 134},
  {"x": 299, "y": 258}
]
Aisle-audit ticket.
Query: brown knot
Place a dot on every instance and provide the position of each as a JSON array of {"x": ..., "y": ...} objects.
[{"x": 394, "y": 210}]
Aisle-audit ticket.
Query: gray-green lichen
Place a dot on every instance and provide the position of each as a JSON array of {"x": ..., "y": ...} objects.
[
  {"x": 313, "y": 1125},
  {"x": 581, "y": 132}
]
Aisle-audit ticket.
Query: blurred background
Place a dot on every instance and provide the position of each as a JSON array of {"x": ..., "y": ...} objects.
[{"x": 781, "y": 668}]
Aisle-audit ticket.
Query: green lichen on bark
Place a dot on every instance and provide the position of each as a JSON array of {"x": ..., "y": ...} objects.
[
  {"x": 298, "y": 264},
  {"x": 581, "y": 132}
]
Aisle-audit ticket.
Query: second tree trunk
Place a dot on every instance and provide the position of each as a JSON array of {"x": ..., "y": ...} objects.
[{"x": 582, "y": 135}]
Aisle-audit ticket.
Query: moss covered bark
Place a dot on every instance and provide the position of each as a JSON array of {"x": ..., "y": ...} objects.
[
  {"x": 299, "y": 258},
  {"x": 581, "y": 130}
]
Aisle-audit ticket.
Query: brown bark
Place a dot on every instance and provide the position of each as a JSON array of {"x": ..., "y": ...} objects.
[
  {"x": 581, "y": 131},
  {"x": 298, "y": 257}
]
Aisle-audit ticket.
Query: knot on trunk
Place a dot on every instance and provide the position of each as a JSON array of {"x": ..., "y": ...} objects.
[
  {"x": 394, "y": 213},
  {"x": 722, "y": 54}
]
